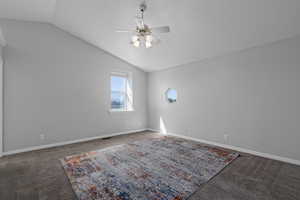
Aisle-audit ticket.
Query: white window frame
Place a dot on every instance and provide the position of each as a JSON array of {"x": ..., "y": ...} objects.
[{"x": 128, "y": 94}]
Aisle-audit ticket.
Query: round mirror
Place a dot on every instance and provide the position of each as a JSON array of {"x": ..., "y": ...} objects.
[{"x": 171, "y": 95}]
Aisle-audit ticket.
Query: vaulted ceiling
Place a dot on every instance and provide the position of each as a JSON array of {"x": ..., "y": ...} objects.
[{"x": 200, "y": 29}]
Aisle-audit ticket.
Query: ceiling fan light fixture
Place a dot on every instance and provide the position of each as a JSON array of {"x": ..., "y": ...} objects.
[
  {"x": 143, "y": 33},
  {"x": 149, "y": 38},
  {"x": 148, "y": 44},
  {"x": 136, "y": 43},
  {"x": 135, "y": 38}
]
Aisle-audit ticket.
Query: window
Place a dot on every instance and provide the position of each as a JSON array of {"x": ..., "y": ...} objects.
[
  {"x": 171, "y": 95},
  {"x": 121, "y": 92}
]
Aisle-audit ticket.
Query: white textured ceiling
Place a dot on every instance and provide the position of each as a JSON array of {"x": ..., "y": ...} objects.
[
  {"x": 199, "y": 28},
  {"x": 32, "y": 10}
]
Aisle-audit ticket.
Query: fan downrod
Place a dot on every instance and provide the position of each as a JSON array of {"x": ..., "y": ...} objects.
[{"x": 143, "y": 6}]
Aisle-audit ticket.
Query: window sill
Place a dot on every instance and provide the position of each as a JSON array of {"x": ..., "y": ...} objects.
[{"x": 120, "y": 111}]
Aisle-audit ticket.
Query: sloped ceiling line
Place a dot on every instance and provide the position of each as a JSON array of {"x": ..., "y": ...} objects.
[{"x": 200, "y": 29}]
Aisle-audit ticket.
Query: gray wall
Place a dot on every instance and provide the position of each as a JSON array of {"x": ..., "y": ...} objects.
[
  {"x": 253, "y": 96},
  {"x": 58, "y": 85},
  {"x": 1, "y": 98}
]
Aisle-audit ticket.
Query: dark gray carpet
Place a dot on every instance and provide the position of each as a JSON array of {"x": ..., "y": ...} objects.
[{"x": 39, "y": 175}]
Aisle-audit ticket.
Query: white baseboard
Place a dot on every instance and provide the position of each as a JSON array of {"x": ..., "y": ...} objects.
[
  {"x": 68, "y": 142},
  {"x": 243, "y": 150},
  {"x": 153, "y": 130},
  {"x": 265, "y": 155}
]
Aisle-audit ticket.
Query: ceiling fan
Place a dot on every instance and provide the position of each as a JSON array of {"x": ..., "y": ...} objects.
[{"x": 143, "y": 34}]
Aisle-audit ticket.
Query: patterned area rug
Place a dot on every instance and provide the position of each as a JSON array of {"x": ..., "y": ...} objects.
[{"x": 164, "y": 168}]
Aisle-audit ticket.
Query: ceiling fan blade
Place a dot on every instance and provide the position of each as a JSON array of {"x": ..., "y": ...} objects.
[
  {"x": 155, "y": 40},
  {"x": 124, "y": 31},
  {"x": 161, "y": 29}
]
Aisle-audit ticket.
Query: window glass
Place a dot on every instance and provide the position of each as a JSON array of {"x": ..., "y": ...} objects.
[
  {"x": 118, "y": 83},
  {"x": 121, "y": 92},
  {"x": 171, "y": 95}
]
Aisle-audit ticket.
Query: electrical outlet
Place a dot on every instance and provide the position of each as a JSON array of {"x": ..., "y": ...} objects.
[{"x": 226, "y": 138}]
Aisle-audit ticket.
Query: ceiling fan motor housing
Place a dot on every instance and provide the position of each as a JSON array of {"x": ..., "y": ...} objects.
[{"x": 143, "y": 7}]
